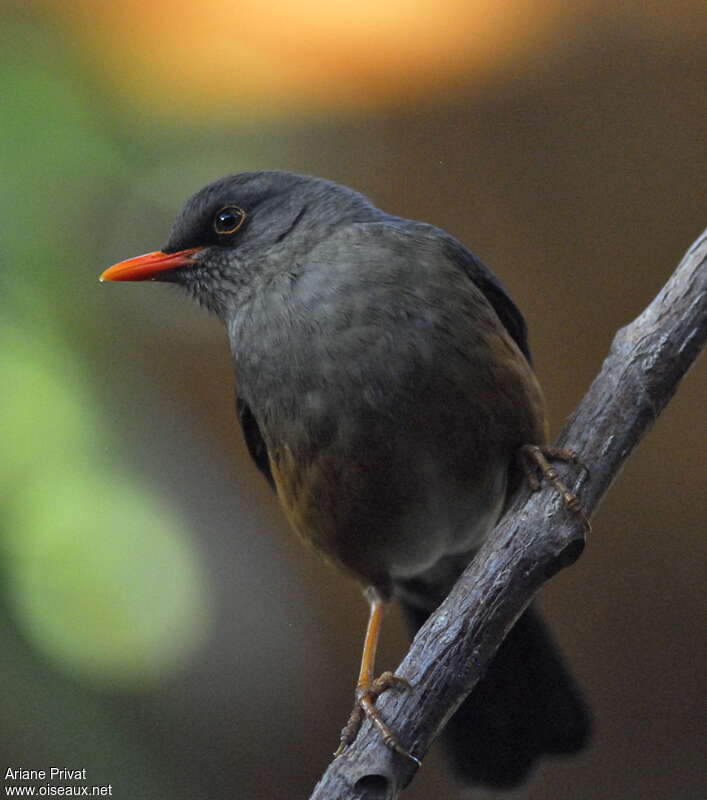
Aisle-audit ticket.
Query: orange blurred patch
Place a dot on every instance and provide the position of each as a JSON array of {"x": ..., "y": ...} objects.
[{"x": 229, "y": 55}]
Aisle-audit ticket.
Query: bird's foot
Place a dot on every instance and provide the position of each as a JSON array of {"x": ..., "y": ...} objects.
[
  {"x": 366, "y": 696},
  {"x": 535, "y": 461}
]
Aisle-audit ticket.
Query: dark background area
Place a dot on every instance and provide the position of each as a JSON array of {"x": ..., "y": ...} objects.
[{"x": 159, "y": 625}]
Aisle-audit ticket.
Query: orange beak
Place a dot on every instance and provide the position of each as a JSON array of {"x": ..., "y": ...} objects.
[{"x": 148, "y": 266}]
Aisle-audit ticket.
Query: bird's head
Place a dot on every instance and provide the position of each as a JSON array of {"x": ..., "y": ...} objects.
[{"x": 242, "y": 229}]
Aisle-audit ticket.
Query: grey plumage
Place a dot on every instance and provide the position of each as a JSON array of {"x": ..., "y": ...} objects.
[{"x": 384, "y": 387}]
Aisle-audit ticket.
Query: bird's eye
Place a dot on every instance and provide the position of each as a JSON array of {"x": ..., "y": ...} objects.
[{"x": 229, "y": 219}]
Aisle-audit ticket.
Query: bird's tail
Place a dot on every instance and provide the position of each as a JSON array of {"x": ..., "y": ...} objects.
[{"x": 526, "y": 705}]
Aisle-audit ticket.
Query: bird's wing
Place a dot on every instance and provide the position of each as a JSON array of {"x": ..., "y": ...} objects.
[
  {"x": 494, "y": 291},
  {"x": 254, "y": 439}
]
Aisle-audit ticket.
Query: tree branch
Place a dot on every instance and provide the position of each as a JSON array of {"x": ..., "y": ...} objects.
[{"x": 534, "y": 540}]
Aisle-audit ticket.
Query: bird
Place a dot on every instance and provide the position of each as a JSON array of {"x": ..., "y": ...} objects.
[{"x": 385, "y": 391}]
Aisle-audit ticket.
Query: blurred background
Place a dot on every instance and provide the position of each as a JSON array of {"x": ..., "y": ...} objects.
[{"x": 159, "y": 625}]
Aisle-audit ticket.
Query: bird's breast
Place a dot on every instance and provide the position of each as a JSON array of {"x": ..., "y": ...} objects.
[{"x": 391, "y": 423}]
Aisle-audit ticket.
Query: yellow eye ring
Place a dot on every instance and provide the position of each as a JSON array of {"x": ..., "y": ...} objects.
[{"x": 229, "y": 219}]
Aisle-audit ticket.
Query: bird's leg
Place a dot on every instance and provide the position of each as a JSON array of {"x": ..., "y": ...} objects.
[
  {"x": 368, "y": 689},
  {"x": 535, "y": 460}
]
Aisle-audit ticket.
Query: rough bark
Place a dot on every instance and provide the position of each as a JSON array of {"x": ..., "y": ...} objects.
[{"x": 535, "y": 539}]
